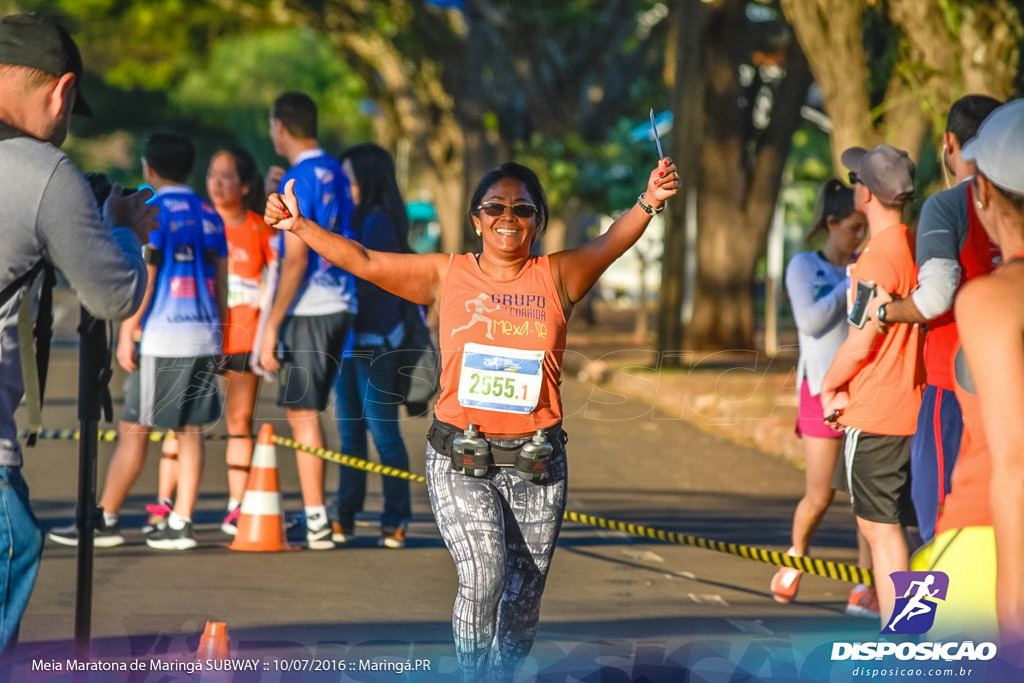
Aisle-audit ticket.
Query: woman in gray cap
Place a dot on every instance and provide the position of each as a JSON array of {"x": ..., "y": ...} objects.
[{"x": 979, "y": 540}]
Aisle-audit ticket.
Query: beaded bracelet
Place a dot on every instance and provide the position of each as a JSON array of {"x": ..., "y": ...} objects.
[{"x": 650, "y": 210}]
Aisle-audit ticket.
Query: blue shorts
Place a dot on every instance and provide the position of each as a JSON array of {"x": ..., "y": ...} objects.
[{"x": 933, "y": 451}]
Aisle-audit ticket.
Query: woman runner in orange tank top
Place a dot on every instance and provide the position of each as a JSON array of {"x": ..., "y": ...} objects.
[
  {"x": 990, "y": 318},
  {"x": 502, "y": 333}
]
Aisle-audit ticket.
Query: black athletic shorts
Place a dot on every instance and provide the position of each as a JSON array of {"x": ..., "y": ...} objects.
[
  {"x": 312, "y": 347},
  {"x": 238, "y": 362},
  {"x": 878, "y": 473},
  {"x": 172, "y": 393}
]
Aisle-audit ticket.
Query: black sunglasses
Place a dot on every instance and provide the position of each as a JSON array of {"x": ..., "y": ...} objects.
[
  {"x": 854, "y": 178},
  {"x": 496, "y": 209}
]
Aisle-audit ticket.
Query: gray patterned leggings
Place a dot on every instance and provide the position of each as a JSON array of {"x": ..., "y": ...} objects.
[{"x": 501, "y": 532}]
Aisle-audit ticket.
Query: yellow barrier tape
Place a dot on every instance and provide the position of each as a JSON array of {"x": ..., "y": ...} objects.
[
  {"x": 809, "y": 565},
  {"x": 826, "y": 568},
  {"x": 349, "y": 461},
  {"x": 109, "y": 435}
]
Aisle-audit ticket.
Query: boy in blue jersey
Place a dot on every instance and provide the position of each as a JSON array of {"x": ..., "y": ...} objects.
[
  {"x": 173, "y": 380},
  {"x": 315, "y": 302}
]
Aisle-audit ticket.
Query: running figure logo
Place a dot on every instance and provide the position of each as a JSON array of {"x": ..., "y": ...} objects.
[
  {"x": 478, "y": 306},
  {"x": 914, "y": 612}
]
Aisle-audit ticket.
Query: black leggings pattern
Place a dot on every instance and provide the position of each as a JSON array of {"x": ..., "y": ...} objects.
[{"x": 501, "y": 532}]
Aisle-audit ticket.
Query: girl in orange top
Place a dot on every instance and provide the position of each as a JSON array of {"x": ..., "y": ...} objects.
[
  {"x": 236, "y": 192},
  {"x": 502, "y": 331}
]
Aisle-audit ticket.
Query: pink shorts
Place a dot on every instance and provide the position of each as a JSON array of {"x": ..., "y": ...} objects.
[{"x": 811, "y": 421}]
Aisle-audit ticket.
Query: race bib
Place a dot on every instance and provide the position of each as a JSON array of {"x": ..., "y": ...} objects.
[
  {"x": 500, "y": 379},
  {"x": 242, "y": 292}
]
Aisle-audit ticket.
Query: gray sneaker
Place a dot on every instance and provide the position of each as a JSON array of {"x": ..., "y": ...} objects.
[
  {"x": 172, "y": 539},
  {"x": 107, "y": 536}
]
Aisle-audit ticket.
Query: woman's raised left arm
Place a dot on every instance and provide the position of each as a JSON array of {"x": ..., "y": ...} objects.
[{"x": 576, "y": 270}]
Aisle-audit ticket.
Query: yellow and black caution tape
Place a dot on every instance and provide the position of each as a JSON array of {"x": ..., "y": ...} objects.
[
  {"x": 809, "y": 565},
  {"x": 832, "y": 570},
  {"x": 349, "y": 461},
  {"x": 109, "y": 435}
]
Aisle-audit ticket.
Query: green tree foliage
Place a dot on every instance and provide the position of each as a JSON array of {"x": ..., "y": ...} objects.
[
  {"x": 244, "y": 73},
  {"x": 603, "y": 176},
  {"x": 206, "y": 68}
]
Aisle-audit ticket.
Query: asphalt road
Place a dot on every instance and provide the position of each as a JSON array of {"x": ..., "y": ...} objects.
[{"x": 621, "y": 606}]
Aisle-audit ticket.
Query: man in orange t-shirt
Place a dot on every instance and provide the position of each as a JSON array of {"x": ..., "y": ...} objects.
[{"x": 876, "y": 380}]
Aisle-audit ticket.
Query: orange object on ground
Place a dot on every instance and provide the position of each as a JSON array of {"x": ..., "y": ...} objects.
[
  {"x": 214, "y": 642},
  {"x": 261, "y": 523}
]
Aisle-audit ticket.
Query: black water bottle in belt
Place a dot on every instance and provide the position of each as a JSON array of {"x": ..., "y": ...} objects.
[
  {"x": 471, "y": 454},
  {"x": 532, "y": 461}
]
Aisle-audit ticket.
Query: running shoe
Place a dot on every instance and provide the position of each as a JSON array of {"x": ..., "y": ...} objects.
[
  {"x": 230, "y": 524},
  {"x": 392, "y": 538},
  {"x": 107, "y": 536},
  {"x": 296, "y": 531},
  {"x": 319, "y": 538},
  {"x": 341, "y": 533},
  {"x": 168, "y": 538},
  {"x": 785, "y": 584},
  {"x": 863, "y": 602},
  {"x": 158, "y": 513}
]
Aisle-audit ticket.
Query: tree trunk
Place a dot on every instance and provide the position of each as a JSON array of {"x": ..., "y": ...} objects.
[
  {"x": 425, "y": 112},
  {"x": 990, "y": 35},
  {"x": 739, "y": 189},
  {"x": 686, "y": 73},
  {"x": 937, "y": 63},
  {"x": 830, "y": 33}
]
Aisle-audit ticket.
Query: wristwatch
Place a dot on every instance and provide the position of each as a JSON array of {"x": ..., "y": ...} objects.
[{"x": 881, "y": 313}]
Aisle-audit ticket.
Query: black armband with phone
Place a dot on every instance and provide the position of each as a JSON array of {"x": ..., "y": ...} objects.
[
  {"x": 152, "y": 255},
  {"x": 862, "y": 295}
]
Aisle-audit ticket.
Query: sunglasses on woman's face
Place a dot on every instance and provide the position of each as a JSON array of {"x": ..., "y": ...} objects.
[
  {"x": 854, "y": 178},
  {"x": 496, "y": 209}
]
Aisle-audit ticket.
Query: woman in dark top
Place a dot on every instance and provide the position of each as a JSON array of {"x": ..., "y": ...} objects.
[{"x": 366, "y": 400}]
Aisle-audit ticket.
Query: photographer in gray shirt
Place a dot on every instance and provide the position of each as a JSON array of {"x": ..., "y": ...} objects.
[{"x": 51, "y": 215}]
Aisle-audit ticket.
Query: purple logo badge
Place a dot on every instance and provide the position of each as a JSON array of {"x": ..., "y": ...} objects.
[{"x": 916, "y": 596}]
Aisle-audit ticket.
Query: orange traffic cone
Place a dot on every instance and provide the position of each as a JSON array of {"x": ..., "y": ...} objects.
[
  {"x": 261, "y": 523},
  {"x": 213, "y": 644}
]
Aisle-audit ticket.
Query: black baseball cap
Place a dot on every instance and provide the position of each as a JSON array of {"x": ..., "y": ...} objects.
[{"x": 33, "y": 41}]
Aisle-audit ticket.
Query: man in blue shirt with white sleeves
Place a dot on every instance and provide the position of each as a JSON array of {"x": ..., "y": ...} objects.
[{"x": 314, "y": 303}]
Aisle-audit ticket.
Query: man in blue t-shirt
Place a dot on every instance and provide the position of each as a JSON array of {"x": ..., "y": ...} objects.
[
  {"x": 314, "y": 302},
  {"x": 173, "y": 372}
]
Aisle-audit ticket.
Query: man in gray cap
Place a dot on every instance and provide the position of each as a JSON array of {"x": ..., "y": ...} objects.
[
  {"x": 873, "y": 388},
  {"x": 51, "y": 215}
]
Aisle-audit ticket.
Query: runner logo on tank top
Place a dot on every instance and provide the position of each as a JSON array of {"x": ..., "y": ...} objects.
[
  {"x": 501, "y": 378},
  {"x": 509, "y": 314}
]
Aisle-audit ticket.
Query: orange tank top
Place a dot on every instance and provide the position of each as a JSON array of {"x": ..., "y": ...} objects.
[
  {"x": 968, "y": 501},
  {"x": 502, "y": 344},
  {"x": 249, "y": 252}
]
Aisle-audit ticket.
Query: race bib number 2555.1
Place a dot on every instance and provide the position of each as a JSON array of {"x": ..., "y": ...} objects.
[{"x": 501, "y": 379}]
